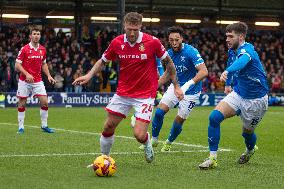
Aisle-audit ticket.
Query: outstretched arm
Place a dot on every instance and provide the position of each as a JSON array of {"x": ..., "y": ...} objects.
[
  {"x": 95, "y": 69},
  {"x": 238, "y": 64}
]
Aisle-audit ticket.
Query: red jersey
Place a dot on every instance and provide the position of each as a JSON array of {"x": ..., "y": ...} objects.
[
  {"x": 31, "y": 59},
  {"x": 137, "y": 64}
]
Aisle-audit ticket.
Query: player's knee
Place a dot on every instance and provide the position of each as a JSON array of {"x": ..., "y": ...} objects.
[
  {"x": 160, "y": 113},
  {"x": 44, "y": 104},
  {"x": 21, "y": 106},
  {"x": 140, "y": 137},
  {"x": 109, "y": 125},
  {"x": 22, "y": 103},
  {"x": 179, "y": 120},
  {"x": 249, "y": 136},
  {"x": 215, "y": 118},
  {"x": 248, "y": 131}
]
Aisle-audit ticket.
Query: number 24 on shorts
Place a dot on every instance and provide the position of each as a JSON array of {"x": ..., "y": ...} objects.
[{"x": 147, "y": 108}]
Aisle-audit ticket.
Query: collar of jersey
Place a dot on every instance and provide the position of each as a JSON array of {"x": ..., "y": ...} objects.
[
  {"x": 139, "y": 39},
  {"x": 239, "y": 47},
  {"x": 35, "y": 48}
]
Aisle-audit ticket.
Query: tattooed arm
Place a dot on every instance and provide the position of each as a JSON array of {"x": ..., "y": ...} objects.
[{"x": 170, "y": 73}]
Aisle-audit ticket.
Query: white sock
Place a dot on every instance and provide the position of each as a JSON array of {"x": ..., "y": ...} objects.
[
  {"x": 43, "y": 116},
  {"x": 148, "y": 141},
  {"x": 106, "y": 143},
  {"x": 21, "y": 117},
  {"x": 214, "y": 154}
]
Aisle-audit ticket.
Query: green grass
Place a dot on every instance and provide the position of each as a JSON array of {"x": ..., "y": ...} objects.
[{"x": 65, "y": 154}]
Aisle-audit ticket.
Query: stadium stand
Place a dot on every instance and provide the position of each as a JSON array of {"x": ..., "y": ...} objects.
[{"x": 67, "y": 58}]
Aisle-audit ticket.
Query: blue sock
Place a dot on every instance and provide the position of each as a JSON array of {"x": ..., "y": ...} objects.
[
  {"x": 175, "y": 131},
  {"x": 157, "y": 122},
  {"x": 250, "y": 140},
  {"x": 215, "y": 118}
]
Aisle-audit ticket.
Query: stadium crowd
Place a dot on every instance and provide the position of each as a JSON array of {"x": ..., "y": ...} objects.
[{"x": 68, "y": 59}]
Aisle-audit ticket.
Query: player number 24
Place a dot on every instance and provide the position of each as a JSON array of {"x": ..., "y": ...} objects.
[{"x": 147, "y": 108}]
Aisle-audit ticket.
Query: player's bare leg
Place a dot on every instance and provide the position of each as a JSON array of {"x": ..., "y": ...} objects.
[
  {"x": 107, "y": 137},
  {"x": 142, "y": 136}
]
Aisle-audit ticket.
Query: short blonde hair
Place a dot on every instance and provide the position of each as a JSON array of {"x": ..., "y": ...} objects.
[{"x": 133, "y": 18}]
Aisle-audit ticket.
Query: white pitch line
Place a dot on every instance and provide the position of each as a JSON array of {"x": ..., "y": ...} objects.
[
  {"x": 117, "y": 136},
  {"x": 92, "y": 153}
]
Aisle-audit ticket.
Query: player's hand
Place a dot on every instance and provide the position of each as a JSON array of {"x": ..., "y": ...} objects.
[
  {"x": 228, "y": 89},
  {"x": 224, "y": 76},
  {"x": 179, "y": 93},
  {"x": 29, "y": 78},
  {"x": 82, "y": 80},
  {"x": 51, "y": 80}
]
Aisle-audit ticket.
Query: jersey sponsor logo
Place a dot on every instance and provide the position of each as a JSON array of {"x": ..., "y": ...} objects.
[
  {"x": 126, "y": 56},
  {"x": 254, "y": 79},
  {"x": 142, "y": 47},
  {"x": 122, "y": 47},
  {"x": 40, "y": 57},
  {"x": 143, "y": 56},
  {"x": 181, "y": 68}
]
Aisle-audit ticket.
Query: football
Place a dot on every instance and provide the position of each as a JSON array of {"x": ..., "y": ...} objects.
[{"x": 104, "y": 166}]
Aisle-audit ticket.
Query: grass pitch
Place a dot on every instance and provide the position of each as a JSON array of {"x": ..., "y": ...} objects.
[{"x": 40, "y": 160}]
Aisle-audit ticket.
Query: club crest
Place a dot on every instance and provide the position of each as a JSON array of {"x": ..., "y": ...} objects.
[{"x": 142, "y": 47}]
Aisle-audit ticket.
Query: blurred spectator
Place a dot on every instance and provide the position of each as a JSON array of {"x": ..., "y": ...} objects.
[
  {"x": 8, "y": 78},
  {"x": 68, "y": 79},
  {"x": 113, "y": 80},
  {"x": 77, "y": 88},
  {"x": 105, "y": 74},
  {"x": 63, "y": 51},
  {"x": 96, "y": 83},
  {"x": 276, "y": 83},
  {"x": 58, "y": 86}
]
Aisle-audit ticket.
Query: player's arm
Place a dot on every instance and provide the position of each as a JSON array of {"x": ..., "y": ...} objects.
[
  {"x": 170, "y": 73},
  {"x": 95, "y": 69},
  {"x": 202, "y": 72},
  {"x": 45, "y": 70},
  {"x": 238, "y": 64},
  {"x": 229, "y": 81},
  {"x": 21, "y": 69}
]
